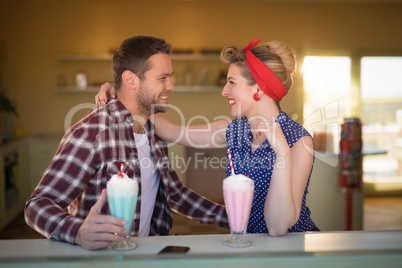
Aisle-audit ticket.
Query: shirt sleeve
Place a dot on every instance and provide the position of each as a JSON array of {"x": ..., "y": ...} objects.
[
  {"x": 192, "y": 205},
  {"x": 62, "y": 182},
  {"x": 189, "y": 203}
]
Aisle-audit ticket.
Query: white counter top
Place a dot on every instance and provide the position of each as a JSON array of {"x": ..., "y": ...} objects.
[{"x": 311, "y": 247}]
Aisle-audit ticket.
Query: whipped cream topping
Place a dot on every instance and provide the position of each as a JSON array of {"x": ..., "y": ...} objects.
[
  {"x": 238, "y": 181},
  {"x": 122, "y": 186},
  {"x": 117, "y": 178}
]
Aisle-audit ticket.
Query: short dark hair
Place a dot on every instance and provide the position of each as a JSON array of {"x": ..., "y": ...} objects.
[{"x": 133, "y": 55}]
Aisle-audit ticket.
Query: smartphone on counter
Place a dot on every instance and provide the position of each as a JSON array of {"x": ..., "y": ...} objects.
[{"x": 174, "y": 249}]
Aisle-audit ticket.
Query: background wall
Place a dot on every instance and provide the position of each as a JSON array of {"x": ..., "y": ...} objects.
[{"x": 34, "y": 33}]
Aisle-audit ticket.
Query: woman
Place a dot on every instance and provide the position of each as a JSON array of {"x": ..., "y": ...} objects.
[{"x": 265, "y": 143}]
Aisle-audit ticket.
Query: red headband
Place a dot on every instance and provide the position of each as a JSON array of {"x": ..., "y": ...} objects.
[{"x": 263, "y": 75}]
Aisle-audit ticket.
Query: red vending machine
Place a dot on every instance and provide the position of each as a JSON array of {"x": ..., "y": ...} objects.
[{"x": 350, "y": 163}]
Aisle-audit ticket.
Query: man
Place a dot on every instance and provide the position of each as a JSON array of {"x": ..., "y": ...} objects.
[{"x": 119, "y": 132}]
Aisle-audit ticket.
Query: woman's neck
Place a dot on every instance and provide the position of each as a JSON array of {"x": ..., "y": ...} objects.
[{"x": 262, "y": 113}]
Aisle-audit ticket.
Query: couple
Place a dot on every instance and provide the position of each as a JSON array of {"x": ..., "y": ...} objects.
[{"x": 69, "y": 203}]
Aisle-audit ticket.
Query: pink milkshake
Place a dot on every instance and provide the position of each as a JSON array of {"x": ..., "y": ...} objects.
[{"x": 238, "y": 191}]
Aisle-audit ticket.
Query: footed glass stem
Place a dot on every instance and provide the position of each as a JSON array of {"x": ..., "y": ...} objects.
[
  {"x": 238, "y": 240},
  {"x": 124, "y": 245}
]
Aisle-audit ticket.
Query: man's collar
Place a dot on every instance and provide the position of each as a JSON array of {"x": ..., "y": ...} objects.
[{"x": 118, "y": 111}]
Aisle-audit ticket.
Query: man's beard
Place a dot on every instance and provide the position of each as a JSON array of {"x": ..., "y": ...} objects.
[{"x": 148, "y": 105}]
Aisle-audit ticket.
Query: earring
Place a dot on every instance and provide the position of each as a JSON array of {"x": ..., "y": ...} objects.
[{"x": 256, "y": 97}]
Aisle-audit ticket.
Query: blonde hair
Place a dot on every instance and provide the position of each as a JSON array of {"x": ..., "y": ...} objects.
[{"x": 278, "y": 56}]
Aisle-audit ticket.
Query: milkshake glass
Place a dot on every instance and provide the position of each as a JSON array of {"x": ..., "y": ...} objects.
[
  {"x": 238, "y": 191},
  {"x": 122, "y": 195}
]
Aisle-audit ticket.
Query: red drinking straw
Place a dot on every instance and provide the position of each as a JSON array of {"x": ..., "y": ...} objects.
[
  {"x": 121, "y": 170},
  {"x": 231, "y": 162}
]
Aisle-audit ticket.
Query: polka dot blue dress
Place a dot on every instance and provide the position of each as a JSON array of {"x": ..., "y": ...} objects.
[{"x": 259, "y": 165}]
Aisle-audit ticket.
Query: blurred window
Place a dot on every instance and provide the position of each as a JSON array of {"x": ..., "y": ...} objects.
[{"x": 368, "y": 87}]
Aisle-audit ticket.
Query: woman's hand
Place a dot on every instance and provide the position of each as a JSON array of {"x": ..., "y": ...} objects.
[{"x": 107, "y": 90}]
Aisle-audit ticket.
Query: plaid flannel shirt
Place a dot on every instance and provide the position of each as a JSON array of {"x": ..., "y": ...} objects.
[{"x": 73, "y": 182}]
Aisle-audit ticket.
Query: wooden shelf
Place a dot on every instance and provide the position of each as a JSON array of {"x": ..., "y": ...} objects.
[
  {"x": 178, "y": 88},
  {"x": 108, "y": 57},
  {"x": 89, "y": 89},
  {"x": 85, "y": 57},
  {"x": 194, "y": 57},
  {"x": 197, "y": 88}
]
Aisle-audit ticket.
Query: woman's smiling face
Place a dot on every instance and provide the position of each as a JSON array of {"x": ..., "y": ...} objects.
[{"x": 239, "y": 92}]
